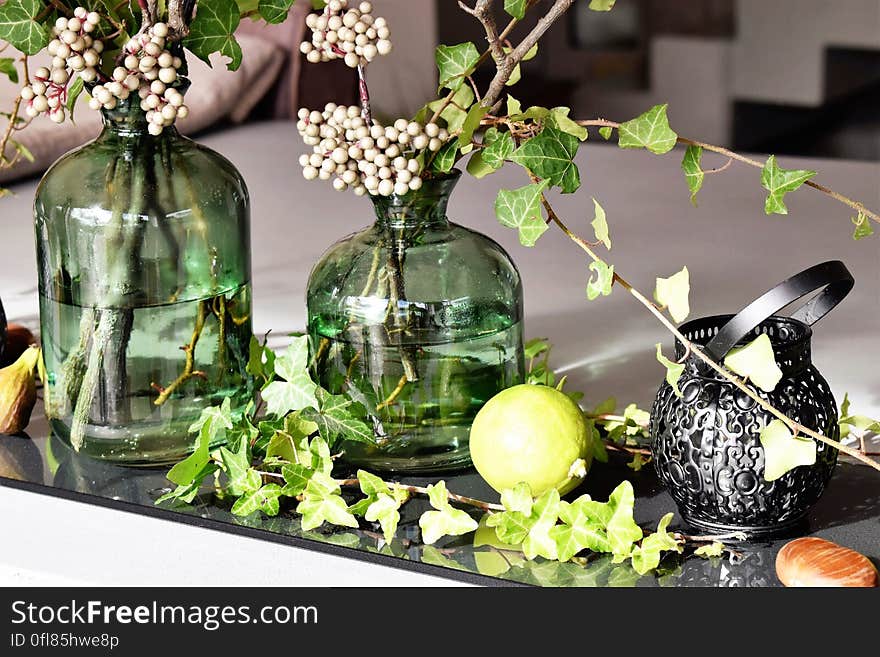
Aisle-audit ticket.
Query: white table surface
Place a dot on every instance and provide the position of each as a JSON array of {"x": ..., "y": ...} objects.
[{"x": 733, "y": 251}]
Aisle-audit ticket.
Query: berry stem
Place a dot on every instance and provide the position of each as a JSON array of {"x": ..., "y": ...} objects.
[{"x": 364, "y": 92}]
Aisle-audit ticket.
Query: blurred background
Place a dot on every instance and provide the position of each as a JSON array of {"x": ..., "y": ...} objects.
[{"x": 791, "y": 77}]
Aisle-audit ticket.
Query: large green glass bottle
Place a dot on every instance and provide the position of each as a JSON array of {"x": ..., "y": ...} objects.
[
  {"x": 420, "y": 319},
  {"x": 143, "y": 249}
]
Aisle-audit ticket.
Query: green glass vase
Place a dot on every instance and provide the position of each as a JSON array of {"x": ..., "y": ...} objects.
[
  {"x": 143, "y": 249},
  {"x": 419, "y": 319}
]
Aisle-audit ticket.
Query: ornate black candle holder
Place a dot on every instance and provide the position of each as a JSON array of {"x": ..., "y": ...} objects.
[{"x": 706, "y": 445}]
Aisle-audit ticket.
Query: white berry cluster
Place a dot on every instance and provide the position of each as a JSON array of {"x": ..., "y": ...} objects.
[
  {"x": 366, "y": 158},
  {"x": 73, "y": 51},
  {"x": 352, "y": 35},
  {"x": 150, "y": 70}
]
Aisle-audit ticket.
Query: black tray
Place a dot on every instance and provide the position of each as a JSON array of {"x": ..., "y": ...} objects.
[{"x": 848, "y": 513}]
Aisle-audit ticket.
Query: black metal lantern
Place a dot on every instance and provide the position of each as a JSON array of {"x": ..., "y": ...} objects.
[{"x": 706, "y": 446}]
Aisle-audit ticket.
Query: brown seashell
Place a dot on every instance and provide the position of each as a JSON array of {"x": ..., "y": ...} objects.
[
  {"x": 18, "y": 338},
  {"x": 812, "y": 561}
]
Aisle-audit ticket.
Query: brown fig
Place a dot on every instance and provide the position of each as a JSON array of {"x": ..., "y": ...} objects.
[
  {"x": 18, "y": 392},
  {"x": 813, "y": 561},
  {"x": 18, "y": 339}
]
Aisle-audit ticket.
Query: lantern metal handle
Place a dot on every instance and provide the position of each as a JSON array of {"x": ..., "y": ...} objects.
[{"x": 832, "y": 275}]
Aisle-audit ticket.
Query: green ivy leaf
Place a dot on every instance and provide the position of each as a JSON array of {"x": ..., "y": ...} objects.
[
  {"x": 863, "y": 227},
  {"x": 713, "y": 549},
  {"x": 558, "y": 118},
  {"x": 261, "y": 360},
  {"x": 297, "y": 390},
  {"x": 446, "y": 520},
  {"x": 780, "y": 182},
  {"x": 650, "y": 130},
  {"x": 275, "y": 11},
  {"x": 518, "y": 498},
  {"x": 18, "y": 26},
  {"x": 600, "y": 285},
  {"x": 340, "y": 418},
  {"x": 264, "y": 499},
  {"x": 318, "y": 509},
  {"x": 756, "y": 362},
  {"x": 237, "y": 465},
  {"x": 545, "y": 513},
  {"x": 693, "y": 173},
  {"x": 578, "y": 532},
  {"x": 187, "y": 492},
  {"x": 605, "y": 132},
  {"x": 7, "y": 68},
  {"x": 455, "y": 63},
  {"x": 516, "y": 74},
  {"x": 673, "y": 292},
  {"x": 602, "y": 5},
  {"x": 646, "y": 557},
  {"x": 213, "y": 30},
  {"x": 73, "y": 94},
  {"x": 535, "y": 347},
  {"x": 516, "y": 8},
  {"x": 514, "y": 107},
  {"x": 549, "y": 156},
  {"x": 445, "y": 158},
  {"x": 385, "y": 511},
  {"x": 521, "y": 209},
  {"x": 23, "y": 150},
  {"x": 296, "y": 478},
  {"x": 783, "y": 451},
  {"x": 673, "y": 370},
  {"x": 600, "y": 225},
  {"x": 600, "y": 454},
  {"x": 471, "y": 123}
]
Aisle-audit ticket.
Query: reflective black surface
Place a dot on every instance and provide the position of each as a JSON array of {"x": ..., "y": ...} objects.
[{"x": 848, "y": 513}]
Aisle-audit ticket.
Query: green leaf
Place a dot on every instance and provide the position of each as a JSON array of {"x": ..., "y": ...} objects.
[
  {"x": 23, "y": 150},
  {"x": 780, "y": 182},
  {"x": 237, "y": 466},
  {"x": 535, "y": 347},
  {"x": 518, "y": 498},
  {"x": 646, "y": 557},
  {"x": 511, "y": 527},
  {"x": 605, "y": 132},
  {"x": 340, "y": 418},
  {"x": 650, "y": 130},
  {"x": 7, "y": 68},
  {"x": 497, "y": 147},
  {"x": 433, "y": 556},
  {"x": 600, "y": 225},
  {"x": 445, "y": 158},
  {"x": 455, "y": 63},
  {"x": 602, "y": 5},
  {"x": 516, "y": 8},
  {"x": 446, "y": 520},
  {"x": 558, "y": 118},
  {"x": 212, "y": 423},
  {"x": 863, "y": 227},
  {"x": 453, "y": 113},
  {"x": 578, "y": 532},
  {"x": 297, "y": 390},
  {"x": 693, "y": 173},
  {"x": 296, "y": 478},
  {"x": 187, "y": 492},
  {"x": 19, "y": 28},
  {"x": 261, "y": 360},
  {"x": 264, "y": 499},
  {"x": 783, "y": 451},
  {"x": 371, "y": 485},
  {"x": 275, "y": 11},
  {"x": 673, "y": 292},
  {"x": 316, "y": 510},
  {"x": 756, "y": 362},
  {"x": 215, "y": 419},
  {"x": 516, "y": 74},
  {"x": 513, "y": 106},
  {"x": 549, "y": 156},
  {"x": 471, "y": 123},
  {"x": 73, "y": 94},
  {"x": 673, "y": 370},
  {"x": 385, "y": 511},
  {"x": 600, "y": 285},
  {"x": 521, "y": 209},
  {"x": 213, "y": 30},
  {"x": 596, "y": 443},
  {"x": 622, "y": 530},
  {"x": 713, "y": 549},
  {"x": 545, "y": 513}
]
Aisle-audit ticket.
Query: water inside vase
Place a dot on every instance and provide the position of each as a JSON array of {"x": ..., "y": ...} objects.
[
  {"x": 421, "y": 425},
  {"x": 133, "y": 364}
]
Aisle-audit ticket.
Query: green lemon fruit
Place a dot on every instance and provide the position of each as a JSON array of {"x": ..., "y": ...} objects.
[{"x": 531, "y": 433}]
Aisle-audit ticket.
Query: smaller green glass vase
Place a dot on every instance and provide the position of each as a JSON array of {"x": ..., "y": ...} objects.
[
  {"x": 419, "y": 319},
  {"x": 143, "y": 249}
]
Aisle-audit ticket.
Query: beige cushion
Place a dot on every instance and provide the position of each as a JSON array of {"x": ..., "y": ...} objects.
[{"x": 215, "y": 94}]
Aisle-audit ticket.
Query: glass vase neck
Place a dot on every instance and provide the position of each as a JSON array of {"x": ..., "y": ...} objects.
[
  {"x": 127, "y": 119},
  {"x": 425, "y": 206}
]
